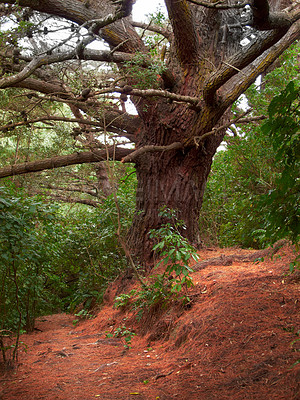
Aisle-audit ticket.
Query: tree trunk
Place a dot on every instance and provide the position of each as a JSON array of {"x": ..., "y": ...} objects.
[{"x": 175, "y": 179}]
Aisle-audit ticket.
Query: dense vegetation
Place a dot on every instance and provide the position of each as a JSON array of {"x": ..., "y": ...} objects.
[{"x": 252, "y": 197}]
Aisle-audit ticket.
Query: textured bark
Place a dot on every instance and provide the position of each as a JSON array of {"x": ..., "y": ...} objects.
[
  {"x": 103, "y": 180},
  {"x": 176, "y": 180},
  {"x": 175, "y": 177}
]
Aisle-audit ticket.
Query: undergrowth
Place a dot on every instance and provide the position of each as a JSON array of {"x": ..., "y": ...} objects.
[{"x": 174, "y": 252}]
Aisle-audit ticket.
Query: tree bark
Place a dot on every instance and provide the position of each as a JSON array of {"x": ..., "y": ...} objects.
[{"x": 174, "y": 178}]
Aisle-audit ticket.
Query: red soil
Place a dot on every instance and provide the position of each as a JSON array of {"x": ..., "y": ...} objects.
[{"x": 235, "y": 342}]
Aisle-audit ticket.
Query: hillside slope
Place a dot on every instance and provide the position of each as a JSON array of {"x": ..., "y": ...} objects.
[{"x": 234, "y": 342}]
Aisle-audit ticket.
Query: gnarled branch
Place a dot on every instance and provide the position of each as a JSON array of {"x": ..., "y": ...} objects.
[
  {"x": 160, "y": 93},
  {"x": 219, "y": 5},
  {"x": 151, "y": 149},
  {"x": 63, "y": 161},
  {"x": 37, "y": 62},
  {"x": 263, "y": 19}
]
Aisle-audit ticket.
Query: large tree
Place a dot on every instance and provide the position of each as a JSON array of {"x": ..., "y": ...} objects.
[{"x": 210, "y": 53}]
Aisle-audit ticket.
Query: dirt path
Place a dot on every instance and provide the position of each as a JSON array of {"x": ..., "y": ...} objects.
[{"x": 235, "y": 342}]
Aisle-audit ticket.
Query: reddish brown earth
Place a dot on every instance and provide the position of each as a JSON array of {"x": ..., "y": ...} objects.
[{"x": 235, "y": 342}]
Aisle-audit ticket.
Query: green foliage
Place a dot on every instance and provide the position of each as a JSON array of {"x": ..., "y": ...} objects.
[
  {"x": 125, "y": 333},
  {"x": 26, "y": 226},
  {"x": 252, "y": 195},
  {"x": 155, "y": 292},
  {"x": 175, "y": 253},
  {"x": 283, "y": 128},
  {"x": 174, "y": 249},
  {"x": 294, "y": 347},
  {"x": 56, "y": 258},
  {"x": 25, "y": 229},
  {"x": 144, "y": 78}
]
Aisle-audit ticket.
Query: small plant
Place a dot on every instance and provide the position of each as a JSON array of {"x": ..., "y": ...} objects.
[
  {"x": 123, "y": 300},
  {"x": 8, "y": 349},
  {"x": 175, "y": 253},
  {"x": 295, "y": 264},
  {"x": 84, "y": 314},
  {"x": 123, "y": 332},
  {"x": 294, "y": 345},
  {"x": 174, "y": 250}
]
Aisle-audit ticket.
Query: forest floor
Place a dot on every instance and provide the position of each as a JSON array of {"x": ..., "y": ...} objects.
[{"x": 235, "y": 341}]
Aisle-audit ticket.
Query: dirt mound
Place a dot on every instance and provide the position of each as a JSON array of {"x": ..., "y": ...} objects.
[{"x": 237, "y": 340}]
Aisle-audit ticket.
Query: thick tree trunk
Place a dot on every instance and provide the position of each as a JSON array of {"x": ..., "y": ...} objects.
[{"x": 175, "y": 179}]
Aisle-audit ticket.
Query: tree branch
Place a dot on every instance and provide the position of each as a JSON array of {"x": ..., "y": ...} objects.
[
  {"x": 120, "y": 123},
  {"x": 159, "y": 93},
  {"x": 239, "y": 61},
  {"x": 77, "y": 11},
  {"x": 263, "y": 19},
  {"x": 184, "y": 30},
  {"x": 48, "y": 118},
  {"x": 72, "y": 189},
  {"x": 219, "y": 5},
  {"x": 198, "y": 139},
  {"x": 66, "y": 199},
  {"x": 87, "y": 54},
  {"x": 63, "y": 161},
  {"x": 251, "y": 119},
  {"x": 151, "y": 149},
  {"x": 112, "y": 124},
  {"x": 239, "y": 85},
  {"x": 153, "y": 28}
]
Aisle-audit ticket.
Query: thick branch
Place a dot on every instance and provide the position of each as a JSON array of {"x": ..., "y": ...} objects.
[
  {"x": 118, "y": 122},
  {"x": 75, "y": 11},
  {"x": 111, "y": 126},
  {"x": 263, "y": 19},
  {"x": 239, "y": 61},
  {"x": 43, "y": 87},
  {"x": 219, "y": 5},
  {"x": 241, "y": 83},
  {"x": 35, "y": 63},
  {"x": 48, "y": 118},
  {"x": 63, "y": 161},
  {"x": 151, "y": 149},
  {"x": 184, "y": 30}
]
